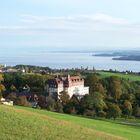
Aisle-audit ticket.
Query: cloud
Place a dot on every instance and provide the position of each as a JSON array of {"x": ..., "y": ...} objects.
[
  {"x": 97, "y": 29},
  {"x": 109, "y": 19},
  {"x": 61, "y": 24},
  {"x": 100, "y": 18},
  {"x": 77, "y": 23}
]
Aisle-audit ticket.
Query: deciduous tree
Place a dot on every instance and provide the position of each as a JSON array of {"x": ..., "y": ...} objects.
[
  {"x": 127, "y": 108},
  {"x": 113, "y": 111}
]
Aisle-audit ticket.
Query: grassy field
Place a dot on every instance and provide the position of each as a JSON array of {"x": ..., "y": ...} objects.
[
  {"x": 19, "y": 123},
  {"x": 124, "y": 76}
]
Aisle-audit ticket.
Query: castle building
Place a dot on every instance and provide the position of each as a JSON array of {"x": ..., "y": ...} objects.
[{"x": 73, "y": 85}]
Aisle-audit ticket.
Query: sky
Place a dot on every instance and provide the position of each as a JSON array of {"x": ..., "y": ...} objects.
[{"x": 70, "y": 24}]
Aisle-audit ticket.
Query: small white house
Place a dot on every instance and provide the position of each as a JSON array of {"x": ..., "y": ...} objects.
[
  {"x": 2, "y": 99},
  {"x": 6, "y": 102}
]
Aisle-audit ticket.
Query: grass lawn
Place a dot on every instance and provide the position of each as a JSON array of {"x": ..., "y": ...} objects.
[
  {"x": 20, "y": 123},
  {"x": 125, "y": 76}
]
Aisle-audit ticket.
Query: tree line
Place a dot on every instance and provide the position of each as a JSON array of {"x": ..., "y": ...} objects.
[{"x": 109, "y": 97}]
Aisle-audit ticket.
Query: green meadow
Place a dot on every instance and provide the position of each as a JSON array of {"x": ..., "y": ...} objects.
[
  {"x": 20, "y": 123},
  {"x": 124, "y": 76}
]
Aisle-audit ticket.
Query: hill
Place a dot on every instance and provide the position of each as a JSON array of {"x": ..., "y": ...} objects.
[{"x": 25, "y": 123}]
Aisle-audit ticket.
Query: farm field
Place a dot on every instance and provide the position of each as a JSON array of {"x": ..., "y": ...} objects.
[{"x": 124, "y": 76}]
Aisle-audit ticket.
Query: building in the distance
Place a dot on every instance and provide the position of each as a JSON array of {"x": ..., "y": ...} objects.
[{"x": 73, "y": 85}]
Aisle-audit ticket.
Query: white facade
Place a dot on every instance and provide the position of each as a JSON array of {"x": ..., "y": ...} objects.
[
  {"x": 78, "y": 90},
  {"x": 71, "y": 85}
]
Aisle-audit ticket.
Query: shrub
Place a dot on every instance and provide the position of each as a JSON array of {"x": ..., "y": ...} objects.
[
  {"x": 101, "y": 114},
  {"x": 50, "y": 103},
  {"x": 113, "y": 111},
  {"x": 58, "y": 107},
  {"x": 90, "y": 113},
  {"x": 42, "y": 101},
  {"x": 22, "y": 101}
]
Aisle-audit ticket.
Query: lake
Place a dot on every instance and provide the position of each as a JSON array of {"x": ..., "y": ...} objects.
[{"x": 66, "y": 60}]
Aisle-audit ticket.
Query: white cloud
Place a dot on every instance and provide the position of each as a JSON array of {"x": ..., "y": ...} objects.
[
  {"x": 96, "y": 22},
  {"x": 100, "y": 18},
  {"x": 75, "y": 23},
  {"x": 109, "y": 19},
  {"x": 97, "y": 29}
]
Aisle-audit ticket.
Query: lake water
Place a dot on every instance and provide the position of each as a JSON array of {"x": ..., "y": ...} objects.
[{"x": 65, "y": 60}]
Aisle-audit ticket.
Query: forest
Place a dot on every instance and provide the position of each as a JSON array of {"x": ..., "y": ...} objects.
[{"x": 109, "y": 97}]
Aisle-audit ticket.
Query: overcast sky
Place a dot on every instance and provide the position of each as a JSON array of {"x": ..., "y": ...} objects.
[{"x": 76, "y": 24}]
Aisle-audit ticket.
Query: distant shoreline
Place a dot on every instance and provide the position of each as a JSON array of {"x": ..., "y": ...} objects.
[
  {"x": 123, "y": 56},
  {"x": 129, "y": 58}
]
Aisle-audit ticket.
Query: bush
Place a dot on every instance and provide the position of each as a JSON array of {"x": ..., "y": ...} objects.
[
  {"x": 113, "y": 111},
  {"x": 12, "y": 96},
  {"x": 42, "y": 101},
  {"x": 0, "y": 95},
  {"x": 59, "y": 107},
  {"x": 137, "y": 111},
  {"x": 90, "y": 113},
  {"x": 50, "y": 103},
  {"x": 101, "y": 114},
  {"x": 22, "y": 101}
]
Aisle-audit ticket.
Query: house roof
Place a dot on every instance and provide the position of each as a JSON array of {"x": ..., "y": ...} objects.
[{"x": 65, "y": 80}]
